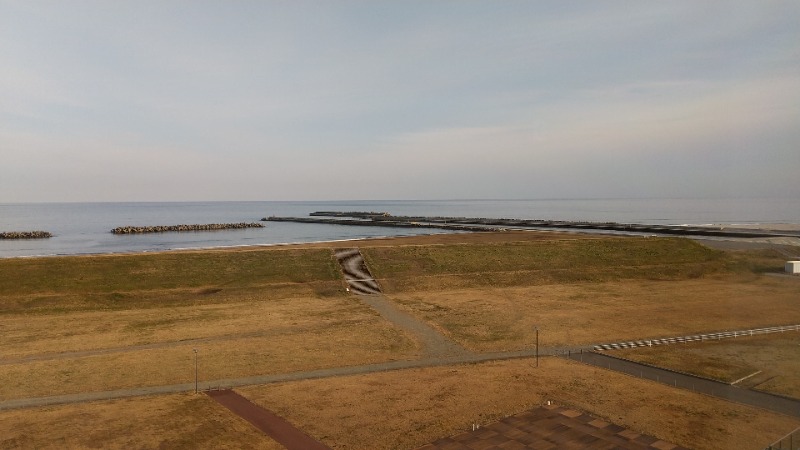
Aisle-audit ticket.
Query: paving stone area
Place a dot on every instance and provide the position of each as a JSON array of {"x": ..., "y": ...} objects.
[{"x": 551, "y": 427}]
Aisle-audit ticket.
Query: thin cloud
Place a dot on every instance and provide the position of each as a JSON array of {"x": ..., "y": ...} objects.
[{"x": 419, "y": 99}]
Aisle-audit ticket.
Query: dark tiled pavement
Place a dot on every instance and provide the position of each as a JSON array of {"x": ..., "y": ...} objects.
[{"x": 551, "y": 427}]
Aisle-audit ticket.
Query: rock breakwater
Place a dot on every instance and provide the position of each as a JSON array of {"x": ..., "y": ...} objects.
[
  {"x": 196, "y": 227},
  {"x": 25, "y": 235}
]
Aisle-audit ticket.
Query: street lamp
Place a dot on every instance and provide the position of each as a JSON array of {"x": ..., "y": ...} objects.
[
  {"x": 195, "y": 370},
  {"x": 537, "y": 345}
]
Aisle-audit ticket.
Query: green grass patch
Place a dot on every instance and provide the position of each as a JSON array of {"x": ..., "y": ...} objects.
[
  {"x": 150, "y": 280},
  {"x": 542, "y": 262},
  {"x": 124, "y": 273}
]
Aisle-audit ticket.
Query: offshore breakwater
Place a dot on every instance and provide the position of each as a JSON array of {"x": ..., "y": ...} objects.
[
  {"x": 181, "y": 228},
  {"x": 383, "y": 219},
  {"x": 383, "y": 223},
  {"x": 25, "y": 235}
]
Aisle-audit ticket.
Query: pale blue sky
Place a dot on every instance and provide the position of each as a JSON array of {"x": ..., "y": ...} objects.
[{"x": 267, "y": 100}]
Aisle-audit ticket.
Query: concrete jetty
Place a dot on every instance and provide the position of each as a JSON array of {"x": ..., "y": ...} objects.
[{"x": 489, "y": 224}]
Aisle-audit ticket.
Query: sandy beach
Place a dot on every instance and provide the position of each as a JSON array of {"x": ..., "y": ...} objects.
[{"x": 760, "y": 226}]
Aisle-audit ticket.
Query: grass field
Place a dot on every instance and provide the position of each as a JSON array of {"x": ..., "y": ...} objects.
[
  {"x": 185, "y": 421},
  {"x": 406, "y": 409},
  {"x": 154, "y": 346},
  {"x": 489, "y": 296},
  {"x": 399, "y": 410},
  {"x": 771, "y": 362},
  {"x": 493, "y": 319},
  {"x": 94, "y": 323}
]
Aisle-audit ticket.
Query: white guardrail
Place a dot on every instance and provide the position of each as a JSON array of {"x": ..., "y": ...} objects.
[{"x": 696, "y": 338}]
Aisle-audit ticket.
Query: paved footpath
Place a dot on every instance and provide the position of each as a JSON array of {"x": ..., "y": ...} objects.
[
  {"x": 725, "y": 391},
  {"x": 268, "y": 422}
]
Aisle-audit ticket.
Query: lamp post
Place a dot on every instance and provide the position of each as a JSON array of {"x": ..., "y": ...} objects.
[
  {"x": 195, "y": 371},
  {"x": 537, "y": 345}
]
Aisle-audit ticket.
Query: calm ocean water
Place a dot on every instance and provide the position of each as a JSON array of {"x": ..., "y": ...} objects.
[{"x": 84, "y": 228}]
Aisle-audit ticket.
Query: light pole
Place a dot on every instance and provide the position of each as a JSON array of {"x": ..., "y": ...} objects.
[
  {"x": 195, "y": 370},
  {"x": 537, "y": 345}
]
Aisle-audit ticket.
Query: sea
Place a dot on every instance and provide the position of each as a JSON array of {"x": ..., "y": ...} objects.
[{"x": 85, "y": 228}]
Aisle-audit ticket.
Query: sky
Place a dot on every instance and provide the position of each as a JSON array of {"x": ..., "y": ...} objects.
[{"x": 368, "y": 100}]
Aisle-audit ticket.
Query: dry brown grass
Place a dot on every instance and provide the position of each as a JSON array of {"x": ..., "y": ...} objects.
[
  {"x": 186, "y": 421},
  {"x": 776, "y": 356},
  {"x": 578, "y": 314},
  {"x": 231, "y": 315},
  {"x": 406, "y": 409},
  {"x": 400, "y": 409},
  {"x": 276, "y": 310},
  {"x": 240, "y": 340}
]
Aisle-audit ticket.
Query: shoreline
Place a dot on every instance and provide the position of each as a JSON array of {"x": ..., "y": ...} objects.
[
  {"x": 213, "y": 248},
  {"x": 413, "y": 239},
  {"x": 420, "y": 239}
]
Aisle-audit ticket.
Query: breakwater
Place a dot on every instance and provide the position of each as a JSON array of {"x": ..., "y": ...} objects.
[
  {"x": 487, "y": 224},
  {"x": 355, "y": 214},
  {"x": 25, "y": 235},
  {"x": 383, "y": 223},
  {"x": 197, "y": 227}
]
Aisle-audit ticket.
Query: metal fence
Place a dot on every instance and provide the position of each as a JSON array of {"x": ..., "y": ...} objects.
[
  {"x": 696, "y": 338},
  {"x": 789, "y": 442}
]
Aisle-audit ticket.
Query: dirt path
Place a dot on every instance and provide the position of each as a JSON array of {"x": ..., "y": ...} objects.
[{"x": 270, "y": 423}]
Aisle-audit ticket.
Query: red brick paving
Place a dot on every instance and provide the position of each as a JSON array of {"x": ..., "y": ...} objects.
[
  {"x": 551, "y": 427},
  {"x": 271, "y": 424}
]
